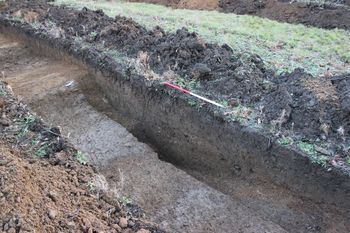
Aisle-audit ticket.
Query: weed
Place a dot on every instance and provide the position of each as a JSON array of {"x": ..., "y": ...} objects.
[
  {"x": 285, "y": 141},
  {"x": 41, "y": 152},
  {"x": 180, "y": 82},
  {"x": 34, "y": 142},
  {"x": 321, "y": 160},
  {"x": 239, "y": 113},
  {"x": 192, "y": 103},
  {"x": 125, "y": 200},
  {"x": 307, "y": 148},
  {"x": 82, "y": 158},
  {"x": 93, "y": 34},
  {"x": 225, "y": 103},
  {"x": 23, "y": 124},
  {"x": 91, "y": 187}
]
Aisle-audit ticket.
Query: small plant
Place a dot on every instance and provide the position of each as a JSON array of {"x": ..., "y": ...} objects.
[
  {"x": 307, "y": 148},
  {"x": 284, "y": 141},
  {"x": 34, "y": 142},
  {"x": 321, "y": 160},
  {"x": 125, "y": 200},
  {"x": 93, "y": 34},
  {"x": 180, "y": 82},
  {"x": 23, "y": 124},
  {"x": 82, "y": 158},
  {"x": 192, "y": 103},
  {"x": 41, "y": 152},
  {"x": 225, "y": 103}
]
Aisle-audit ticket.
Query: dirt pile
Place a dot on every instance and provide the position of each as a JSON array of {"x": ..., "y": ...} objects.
[
  {"x": 45, "y": 186},
  {"x": 295, "y": 105},
  {"x": 324, "y": 15},
  {"x": 189, "y": 4}
]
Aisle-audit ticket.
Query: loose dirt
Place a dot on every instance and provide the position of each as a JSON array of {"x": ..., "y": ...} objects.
[
  {"x": 189, "y": 4},
  {"x": 324, "y": 15},
  {"x": 43, "y": 188},
  {"x": 327, "y": 14}
]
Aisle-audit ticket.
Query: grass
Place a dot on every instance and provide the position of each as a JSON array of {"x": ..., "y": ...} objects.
[
  {"x": 307, "y": 148},
  {"x": 282, "y": 46},
  {"x": 82, "y": 158}
]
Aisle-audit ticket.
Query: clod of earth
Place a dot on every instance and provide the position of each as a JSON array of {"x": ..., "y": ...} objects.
[{"x": 324, "y": 14}]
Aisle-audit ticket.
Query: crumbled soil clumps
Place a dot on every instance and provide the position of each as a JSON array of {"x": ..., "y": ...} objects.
[
  {"x": 327, "y": 14},
  {"x": 324, "y": 15},
  {"x": 189, "y": 4},
  {"x": 43, "y": 187},
  {"x": 296, "y": 105}
]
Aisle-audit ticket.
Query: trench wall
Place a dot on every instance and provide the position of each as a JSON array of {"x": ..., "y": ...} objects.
[{"x": 194, "y": 140}]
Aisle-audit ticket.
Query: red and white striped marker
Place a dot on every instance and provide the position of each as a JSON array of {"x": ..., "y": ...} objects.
[{"x": 193, "y": 94}]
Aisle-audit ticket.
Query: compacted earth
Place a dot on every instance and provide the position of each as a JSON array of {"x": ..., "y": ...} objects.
[{"x": 324, "y": 14}]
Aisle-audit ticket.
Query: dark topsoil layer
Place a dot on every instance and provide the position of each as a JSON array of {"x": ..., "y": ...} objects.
[
  {"x": 294, "y": 106},
  {"x": 330, "y": 14}
]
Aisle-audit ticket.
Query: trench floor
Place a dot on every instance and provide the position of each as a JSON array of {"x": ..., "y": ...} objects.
[{"x": 66, "y": 95}]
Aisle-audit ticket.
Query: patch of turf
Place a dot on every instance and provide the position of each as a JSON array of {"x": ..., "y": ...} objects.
[{"x": 282, "y": 46}]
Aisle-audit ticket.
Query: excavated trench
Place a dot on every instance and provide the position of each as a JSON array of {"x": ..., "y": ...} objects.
[{"x": 181, "y": 200}]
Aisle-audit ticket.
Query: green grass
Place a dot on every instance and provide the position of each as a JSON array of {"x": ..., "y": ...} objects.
[
  {"x": 82, "y": 158},
  {"x": 307, "y": 148},
  {"x": 282, "y": 46}
]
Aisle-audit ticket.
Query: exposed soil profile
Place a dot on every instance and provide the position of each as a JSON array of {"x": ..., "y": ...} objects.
[
  {"x": 298, "y": 102},
  {"x": 331, "y": 14},
  {"x": 129, "y": 59},
  {"x": 44, "y": 187}
]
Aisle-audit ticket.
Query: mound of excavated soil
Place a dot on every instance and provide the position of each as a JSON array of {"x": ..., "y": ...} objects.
[
  {"x": 190, "y": 4},
  {"x": 294, "y": 105},
  {"x": 328, "y": 15},
  {"x": 331, "y": 14},
  {"x": 43, "y": 188}
]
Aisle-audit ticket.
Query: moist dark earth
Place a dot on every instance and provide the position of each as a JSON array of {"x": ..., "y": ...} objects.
[
  {"x": 296, "y": 105},
  {"x": 323, "y": 14}
]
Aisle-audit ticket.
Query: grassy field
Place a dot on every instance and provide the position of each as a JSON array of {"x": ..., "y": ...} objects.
[{"x": 282, "y": 46}]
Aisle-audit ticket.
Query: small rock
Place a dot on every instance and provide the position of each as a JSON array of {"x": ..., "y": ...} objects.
[
  {"x": 6, "y": 227},
  {"x": 87, "y": 223},
  {"x": 2, "y": 103},
  {"x": 52, "y": 214},
  {"x": 201, "y": 71},
  {"x": 123, "y": 222},
  {"x": 131, "y": 224},
  {"x": 52, "y": 195},
  {"x": 4, "y": 122},
  {"x": 117, "y": 228},
  {"x": 71, "y": 225},
  {"x": 143, "y": 231}
]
